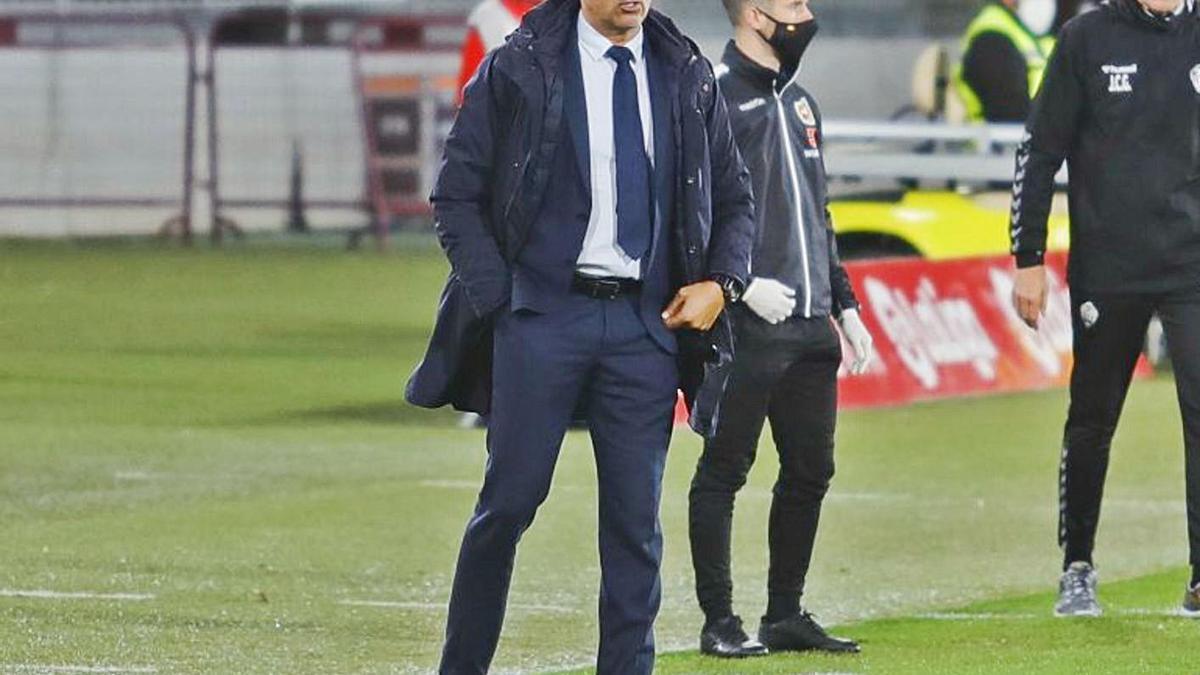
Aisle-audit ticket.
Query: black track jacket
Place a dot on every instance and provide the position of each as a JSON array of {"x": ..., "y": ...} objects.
[
  {"x": 777, "y": 126},
  {"x": 1121, "y": 104}
]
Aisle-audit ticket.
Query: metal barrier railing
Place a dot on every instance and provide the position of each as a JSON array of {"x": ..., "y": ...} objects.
[
  {"x": 64, "y": 181},
  {"x": 407, "y": 106},
  {"x": 354, "y": 167},
  {"x": 967, "y": 154},
  {"x": 380, "y": 106},
  {"x": 267, "y": 186}
]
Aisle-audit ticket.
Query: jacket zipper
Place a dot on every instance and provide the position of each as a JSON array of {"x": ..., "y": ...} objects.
[{"x": 794, "y": 175}]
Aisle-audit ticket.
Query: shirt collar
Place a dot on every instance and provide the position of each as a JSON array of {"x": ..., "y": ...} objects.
[
  {"x": 595, "y": 46},
  {"x": 756, "y": 73}
]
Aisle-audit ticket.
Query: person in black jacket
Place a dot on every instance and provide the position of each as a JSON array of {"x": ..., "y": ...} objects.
[
  {"x": 789, "y": 351},
  {"x": 1121, "y": 104},
  {"x": 595, "y": 234}
]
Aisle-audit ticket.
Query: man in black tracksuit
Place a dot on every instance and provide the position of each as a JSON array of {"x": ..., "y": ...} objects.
[
  {"x": 1121, "y": 104},
  {"x": 788, "y": 350}
]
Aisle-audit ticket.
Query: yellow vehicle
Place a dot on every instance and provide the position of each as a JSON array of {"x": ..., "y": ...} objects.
[{"x": 933, "y": 224}]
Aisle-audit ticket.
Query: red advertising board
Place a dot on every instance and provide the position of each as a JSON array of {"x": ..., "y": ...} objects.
[{"x": 947, "y": 329}]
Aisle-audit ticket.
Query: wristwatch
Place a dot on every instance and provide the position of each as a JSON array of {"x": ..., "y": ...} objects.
[{"x": 731, "y": 288}]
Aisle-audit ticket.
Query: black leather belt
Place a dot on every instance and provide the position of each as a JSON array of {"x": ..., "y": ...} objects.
[{"x": 599, "y": 288}]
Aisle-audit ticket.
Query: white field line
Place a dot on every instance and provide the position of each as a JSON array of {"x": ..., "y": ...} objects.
[
  {"x": 474, "y": 485},
  {"x": 441, "y": 606},
  {"x": 563, "y": 666},
  {"x": 37, "y": 668},
  {"x": 1177, "y": 613},
  {"x": 985, "y": 616},
  {"x": 967, "y": 616},
  {"x": 56, "y": 595},
  {"x": 451, "y": 484},
  {"x": 1148, "y": 506},
  {"x": 869, "y": 496}
]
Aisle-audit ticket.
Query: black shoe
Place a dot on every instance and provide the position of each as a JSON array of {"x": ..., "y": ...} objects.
[
  {"x": 801, "y": 633},
  {"x": 726, "y": 639}
]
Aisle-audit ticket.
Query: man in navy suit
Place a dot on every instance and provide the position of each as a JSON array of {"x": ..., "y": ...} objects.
[{"x": 596, "y": 233}]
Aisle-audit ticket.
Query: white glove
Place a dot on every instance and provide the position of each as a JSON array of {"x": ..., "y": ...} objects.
[
  {"x": 770, "y": 299},
  {"x": 860, "y": 341}
]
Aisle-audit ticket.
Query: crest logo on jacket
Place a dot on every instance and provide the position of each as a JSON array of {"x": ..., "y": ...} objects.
[
  {"x": 1196, "y": 77},
  {"x": 1120, "y": 78},
  {"x": 805, "y": 112}
]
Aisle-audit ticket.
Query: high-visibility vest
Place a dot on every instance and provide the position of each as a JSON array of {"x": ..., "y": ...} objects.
[
  {"x": 493, "y": 20},
  {"x": 997, "y": 19}
]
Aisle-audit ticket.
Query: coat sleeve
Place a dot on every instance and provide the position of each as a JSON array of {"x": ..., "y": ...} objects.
[
  {"x": 842, "y": 290},
  {"x": 1049, "y": 137},
  {"x": 732, "y": 196},
  {"x": 462, "y": 196},
  {"x": 839, "y": 280}
]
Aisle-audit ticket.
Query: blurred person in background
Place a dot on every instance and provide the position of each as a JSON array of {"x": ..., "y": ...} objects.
[
  {"x": 487, "y": 25},
  {"x": 789, "y": 351},
  {"x": 1120, "y": 105},
  {"x": 1005, "y": 51},
  {"x": 595, "y": 234}
]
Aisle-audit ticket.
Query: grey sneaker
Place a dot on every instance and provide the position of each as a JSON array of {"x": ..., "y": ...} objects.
[
  {"x": 1077, "y": 592},
  {"x": 1191, "y": 603}
]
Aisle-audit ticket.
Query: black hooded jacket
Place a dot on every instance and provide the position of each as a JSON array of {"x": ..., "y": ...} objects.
[{"x": 1121, "y": 104}]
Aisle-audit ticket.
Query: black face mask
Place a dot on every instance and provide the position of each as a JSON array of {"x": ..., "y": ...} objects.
[{"x": 790, "y": 41}]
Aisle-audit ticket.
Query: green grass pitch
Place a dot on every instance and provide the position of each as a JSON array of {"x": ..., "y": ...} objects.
[{"x": 206, "y": 467}]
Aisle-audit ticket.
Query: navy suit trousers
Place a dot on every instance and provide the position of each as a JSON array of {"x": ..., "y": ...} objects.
[{"x": 596, "y": 354}]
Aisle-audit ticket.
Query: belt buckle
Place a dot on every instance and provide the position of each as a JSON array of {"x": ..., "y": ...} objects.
[{"x": 608, "y": 289}]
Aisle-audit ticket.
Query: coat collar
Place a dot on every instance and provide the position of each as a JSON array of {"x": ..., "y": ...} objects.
[{"x": 758, "y": 75}]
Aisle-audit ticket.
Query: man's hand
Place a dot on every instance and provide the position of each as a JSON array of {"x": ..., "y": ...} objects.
[
  {"x": 696, "y": 307},
  {"x": 770, "y": 300},
  {"x": 1030, "y": 294},
  {"x": 860, "y": 341}
]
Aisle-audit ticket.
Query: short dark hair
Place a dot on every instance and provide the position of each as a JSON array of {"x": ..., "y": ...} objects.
[{"x": 734, "y": 9}]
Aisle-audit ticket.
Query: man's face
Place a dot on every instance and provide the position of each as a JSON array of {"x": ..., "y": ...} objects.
[
  {"x": 616, "y": 16},
  {"x": 783, "y": 11},
  {"x": 1161, "y": 6}
]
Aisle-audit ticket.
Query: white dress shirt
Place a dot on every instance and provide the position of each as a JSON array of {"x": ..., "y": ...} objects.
[{"x": 602, "y": 255}]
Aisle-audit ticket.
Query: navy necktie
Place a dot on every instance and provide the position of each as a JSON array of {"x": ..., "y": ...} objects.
[{"x": 633, "y": 166}]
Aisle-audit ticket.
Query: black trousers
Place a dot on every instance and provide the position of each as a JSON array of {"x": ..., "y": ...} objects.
[
  {"x": 1110, "y": 330},
  {"x": 788, "y": 374}
]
